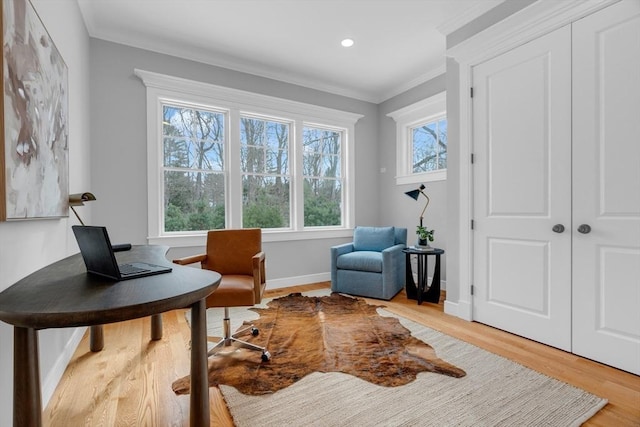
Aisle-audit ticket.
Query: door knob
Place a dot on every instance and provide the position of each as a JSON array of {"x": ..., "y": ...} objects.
[
  {"x": 584, "y": 229},
  {"x": 558, "y": 228}
]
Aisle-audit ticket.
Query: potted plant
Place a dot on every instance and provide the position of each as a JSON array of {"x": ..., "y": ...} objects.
[{"x": 424, "y": 236}]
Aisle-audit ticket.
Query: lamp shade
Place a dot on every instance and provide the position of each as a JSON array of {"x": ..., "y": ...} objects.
[
  {"x": 78, "y": 199},
  {"x": 413, "y": 194}
]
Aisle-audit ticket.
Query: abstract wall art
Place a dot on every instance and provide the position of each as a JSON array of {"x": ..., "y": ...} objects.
[{"x": 34, "y": 156}]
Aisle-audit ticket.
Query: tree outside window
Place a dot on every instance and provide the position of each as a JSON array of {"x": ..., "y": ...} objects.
[
  {"x": 323, "y": 181},
  {"x": 429, "y": 146},
  {"x": 266, "y": 181},
  {"x": 193, "y": 169}
]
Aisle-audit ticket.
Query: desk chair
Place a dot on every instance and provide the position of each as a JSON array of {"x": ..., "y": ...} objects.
[{"x": 237, "y": 255}]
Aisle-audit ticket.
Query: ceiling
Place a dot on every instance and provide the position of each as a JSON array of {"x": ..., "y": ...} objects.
[{"x": 398, "y": 43}]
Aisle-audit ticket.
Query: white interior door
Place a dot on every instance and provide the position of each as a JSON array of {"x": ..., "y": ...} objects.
[
  {"x": 606, "y": 184},
  {"x": 522, "y": 180}
]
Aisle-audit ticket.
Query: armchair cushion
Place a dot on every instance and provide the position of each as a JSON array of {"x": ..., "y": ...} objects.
[
  {"x": 373, "y": 238},
  {"x": 361, "y": 260}
]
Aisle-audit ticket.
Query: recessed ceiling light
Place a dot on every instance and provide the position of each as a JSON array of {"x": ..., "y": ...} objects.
[{"x": 347, "y": 42}]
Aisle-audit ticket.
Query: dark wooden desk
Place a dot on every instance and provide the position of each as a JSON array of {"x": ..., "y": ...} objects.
[
  {"x": 419, "y": 291},
  {"x": 63, "y": 295}
]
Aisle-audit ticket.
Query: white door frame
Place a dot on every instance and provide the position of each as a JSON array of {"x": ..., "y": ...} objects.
[{"x": 540, "y": 18}]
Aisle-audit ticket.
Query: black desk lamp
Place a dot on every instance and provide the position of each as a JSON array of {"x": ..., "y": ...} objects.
[
  {"x": 414, "y": 194},
  {"x": 78, "y": 199}
]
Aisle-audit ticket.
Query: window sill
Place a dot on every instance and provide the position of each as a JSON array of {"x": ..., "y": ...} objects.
[
  {"x": 268, "y": 236},
  {"x": 419, "y": 178}
]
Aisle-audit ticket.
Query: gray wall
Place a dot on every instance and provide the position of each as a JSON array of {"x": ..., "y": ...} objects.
[
  {"x": 395, "y": 207},
  {"x": 27, "y": 246},
  {"x": 119, "y": 149}
]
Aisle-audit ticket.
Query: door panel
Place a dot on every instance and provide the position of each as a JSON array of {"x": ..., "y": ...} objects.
[
  {"x": 524, "y": 262},
  {"x": 606, "y": 176},
  {"x": 522, "y": 147}
]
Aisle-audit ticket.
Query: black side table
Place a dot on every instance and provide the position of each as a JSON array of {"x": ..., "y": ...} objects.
[{"x": 422, "y": 291}]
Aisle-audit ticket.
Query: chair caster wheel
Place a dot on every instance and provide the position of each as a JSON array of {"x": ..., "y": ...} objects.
[
  {"x": 255, "y": 332},
  {"x": 266, "y": 356}
]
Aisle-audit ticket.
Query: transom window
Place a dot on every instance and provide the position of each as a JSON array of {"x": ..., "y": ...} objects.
[
  {"x": 428, "y": 143},
  {"x": 223, "y": 158},
  {"x": 421, "y": 141}
]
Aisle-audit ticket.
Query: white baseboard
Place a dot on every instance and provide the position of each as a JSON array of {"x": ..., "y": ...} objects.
[
  {"x": 451, "y": 308},
  {"x": 298, "y": 280},
  {"x": 50, "y": 383},
  {"x": 461, "y": 309},
  {"x": 315, "y": 278}
]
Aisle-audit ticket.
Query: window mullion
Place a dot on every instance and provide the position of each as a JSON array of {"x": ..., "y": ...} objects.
[
  {"x": 297, "y": 176},
  {"x": 233, "y": 181}
]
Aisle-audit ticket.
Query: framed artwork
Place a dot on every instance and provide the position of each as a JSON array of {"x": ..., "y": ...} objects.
[{"x": 34, "y": 156}]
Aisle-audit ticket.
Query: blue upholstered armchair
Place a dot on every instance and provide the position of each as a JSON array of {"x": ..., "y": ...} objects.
[{"x": 373, "y": 265}]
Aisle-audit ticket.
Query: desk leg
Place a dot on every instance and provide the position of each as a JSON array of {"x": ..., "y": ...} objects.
[
  {"x": 199, "y": 412},
  {"x": 96, "y": 338},
  {"x": 27, "y": 400},
  {"x": 156, "y": 327},
  {"x": 433, "y": 294}
]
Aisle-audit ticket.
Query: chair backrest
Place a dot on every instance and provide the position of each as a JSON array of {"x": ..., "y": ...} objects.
[
  {"x": 231, "y": 251},
  {"x": 378, "y": 238}
]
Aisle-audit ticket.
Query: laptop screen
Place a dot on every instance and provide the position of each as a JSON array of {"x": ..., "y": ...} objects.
[{"x": 96, "y": 250}]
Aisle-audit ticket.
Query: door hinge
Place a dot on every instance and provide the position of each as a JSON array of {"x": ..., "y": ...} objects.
[
  {"x": 471, "y": 289},
  {"x": 471, "y": 90},
  {"x": 473, "y": 224},
  {"x": 472, "y": 158}
]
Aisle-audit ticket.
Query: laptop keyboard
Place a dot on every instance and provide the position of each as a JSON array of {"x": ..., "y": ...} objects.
[{"x": 128, "y": 269}]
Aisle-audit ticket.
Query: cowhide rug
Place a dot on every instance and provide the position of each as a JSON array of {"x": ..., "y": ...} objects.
[{"x": 324, "y": 334}]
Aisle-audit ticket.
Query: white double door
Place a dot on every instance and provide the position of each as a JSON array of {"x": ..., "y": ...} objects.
[{"x": 556, "y": 142}]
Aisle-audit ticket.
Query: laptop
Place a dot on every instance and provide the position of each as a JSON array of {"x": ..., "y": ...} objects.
[{"x": 99, "y": 257}]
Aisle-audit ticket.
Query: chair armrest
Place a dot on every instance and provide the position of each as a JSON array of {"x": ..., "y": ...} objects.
[
  {"x": 345, "y": 248},
  {"x": 336, "y": 251},
  {"x": 392, "y": 255},
  {"x": 394, "y": 249},
  {"x": 259, "y": 275},
  {"x": 190, "y": 259}
]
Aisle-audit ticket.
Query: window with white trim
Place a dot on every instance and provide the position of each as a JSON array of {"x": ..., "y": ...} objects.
[
  {"x": 193, "y": 168},
  {"x": 266, "y": 182},
  {"x": 421, "y": 141},
  {"x": 224, "y": 158},
  {"x": 323, "y": 179}
]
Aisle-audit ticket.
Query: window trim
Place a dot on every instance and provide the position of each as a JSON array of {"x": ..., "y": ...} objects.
[
  {"x": 163, "y": 88},
  {"x": 430, "y": 108}
]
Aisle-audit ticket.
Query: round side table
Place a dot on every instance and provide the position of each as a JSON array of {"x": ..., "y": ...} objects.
[{"x": 422, "y": 291}]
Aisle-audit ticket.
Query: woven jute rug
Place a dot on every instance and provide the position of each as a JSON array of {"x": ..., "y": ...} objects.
[{"x": 495, "y": 392}]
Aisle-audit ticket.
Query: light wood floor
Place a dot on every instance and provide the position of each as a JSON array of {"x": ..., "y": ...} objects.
[{"x": 129, "y": 382}]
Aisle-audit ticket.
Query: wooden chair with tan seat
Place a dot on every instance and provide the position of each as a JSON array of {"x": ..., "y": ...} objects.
[{"x": 237, "y": 255}]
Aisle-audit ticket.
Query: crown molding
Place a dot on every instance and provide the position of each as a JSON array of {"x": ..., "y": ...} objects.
[
  {"x": 469, "y": 15},
  {"x": 527, "y": 24},
  {"x": 441, "y": 69}
]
